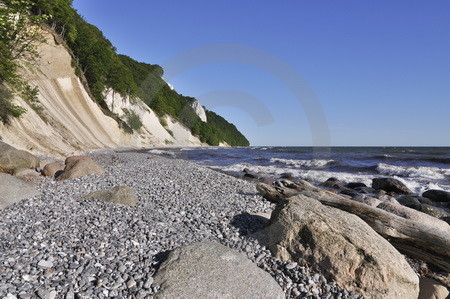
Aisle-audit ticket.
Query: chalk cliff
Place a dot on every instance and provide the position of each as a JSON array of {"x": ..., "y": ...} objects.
[{"x": 69, "y": 120}]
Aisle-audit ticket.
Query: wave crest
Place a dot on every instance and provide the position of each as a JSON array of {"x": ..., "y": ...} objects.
[
  {"x": 302, "y": 163},
  {"x": 414, "y": 172}
]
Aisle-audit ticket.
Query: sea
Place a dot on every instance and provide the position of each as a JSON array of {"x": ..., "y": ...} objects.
[{"x": 419, "y": 168}]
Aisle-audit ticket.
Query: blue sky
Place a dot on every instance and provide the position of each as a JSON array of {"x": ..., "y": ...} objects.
[{"x": 299, "y": 72}]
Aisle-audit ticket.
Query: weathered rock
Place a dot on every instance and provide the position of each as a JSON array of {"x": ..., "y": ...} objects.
[
  {"x": 12, "y": 158},
  {"x": 355, "y": 185},
  {"x": 390, "y": 185},
  {"x": 288, "y": 176},
  {"x": 333, "y": 179},
  {"x": 409, "y": 201},
  {"x": 424, "y": 200},
  {"x": 53, "y": 168},
  {"x": 371, "y": 201},
  {"x": 246, "y": 170},
  {"x": 266, "y": 181},
  {"x": 28, "y": 175},
  {"x": 254, "y": 175},
  {"x": 119, "y": 194},
  {"x": 433, "y": 211},
  {"x": 211, "y": 270},
  {"x": 437, "y": 195},
  {"x": 366, "y": 190},
  {"x": 387, "y": 198},
  {"x": 342, "y": 246},
  {"x": 77, "y": 166},
  {"x": 412, "y": 214},
  {"x": 13, "y": 190},
  {"x": 431, "y": 289},
  {"x": 349, "y": 192},
  {"x": 333, "y": 183}
]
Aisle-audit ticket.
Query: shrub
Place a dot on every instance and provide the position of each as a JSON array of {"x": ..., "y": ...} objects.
[
  {"x": 133, "y": 120},
  {"x": 163, "y": 121}
]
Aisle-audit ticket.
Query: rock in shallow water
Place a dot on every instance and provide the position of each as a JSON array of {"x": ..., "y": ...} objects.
[
  {"x": 437, "y": 195},
  {"x": 390, "y": 185},
  {"x": 211, "y": 270}
]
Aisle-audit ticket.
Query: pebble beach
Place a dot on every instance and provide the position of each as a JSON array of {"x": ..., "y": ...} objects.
[{"x": 57, "y": 246}]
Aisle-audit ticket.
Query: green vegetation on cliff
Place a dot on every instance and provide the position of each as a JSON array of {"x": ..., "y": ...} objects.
[
  {"x": 18, "y": 32},
  {"x": 96, "y": 58}
]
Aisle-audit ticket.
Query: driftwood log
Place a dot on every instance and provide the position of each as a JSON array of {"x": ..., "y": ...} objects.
[{"x": 412, "y": 238}]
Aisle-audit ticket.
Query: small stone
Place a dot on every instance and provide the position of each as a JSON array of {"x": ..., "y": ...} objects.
[
  {"x": 122, "y": 269},
  {"x": 148, "y": 283},
  {"x": 45, "y": 264},
  {"x": 24, "y": 296},
  {"x": 131, "y": 283},
  {"x": 316, "y": 277},
  {"x": 70, "y": 295},
  {"x": 52, "y": 295},
  {"x": 43, "y": 294},
  {"x": 291, "y": 266}
]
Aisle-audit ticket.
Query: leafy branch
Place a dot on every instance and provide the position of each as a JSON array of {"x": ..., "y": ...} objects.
[{"x": 19, "y": 33}]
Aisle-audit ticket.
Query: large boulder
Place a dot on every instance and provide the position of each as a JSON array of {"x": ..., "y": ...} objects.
[
  {"x": 120, "y": 194},
  {"x": 412, "y": 214},
  {"x": 368, "y": 200},
  {"x": 28, "y": 175},
  {"x": 78, "y": 166},
  {"x": 13, "y": 190},
  {"x": 437, "y": 195},
  {"x": 341, "y": 246},
  {"x": 211, "y": 270},
  {"x": 390, "y": 185},
  {"x": 432, "y": 289},
  {"x": 434, "y": 211},
  {"x": 53, "y": 169},
  {"x": 12, "y": 159},
  {"x": 354, "y": 185},
  {"x": 409, "y": 201}
]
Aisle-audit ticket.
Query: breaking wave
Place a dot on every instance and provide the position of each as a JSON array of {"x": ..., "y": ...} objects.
[
  {"x": 302, "y": 163},
  {"x": 414, "y": 172}
]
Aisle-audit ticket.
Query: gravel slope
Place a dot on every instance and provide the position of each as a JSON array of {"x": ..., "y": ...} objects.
[{"x": 54, "y": 245}]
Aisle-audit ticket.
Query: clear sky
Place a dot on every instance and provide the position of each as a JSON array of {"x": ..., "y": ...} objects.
[{"x": 299, "y": 72}]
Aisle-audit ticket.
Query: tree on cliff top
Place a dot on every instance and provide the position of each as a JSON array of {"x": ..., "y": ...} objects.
[{"x": 19, "y": 31}]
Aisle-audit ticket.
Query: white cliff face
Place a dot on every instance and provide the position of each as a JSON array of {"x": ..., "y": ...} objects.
[
  {"x": 71, "y": 121},
  {"x": 199, "y": 110},
  {"x": 174, "y": 133}
]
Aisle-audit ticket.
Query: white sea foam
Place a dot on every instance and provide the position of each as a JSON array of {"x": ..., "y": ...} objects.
[
  {"x": 416, "y": 184},
  {"x": 302, "y": 163},
  {"x": 317, "y": 176},
  {"x": 161, "y": 152},
  {"x": 414, "y": 172}
]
